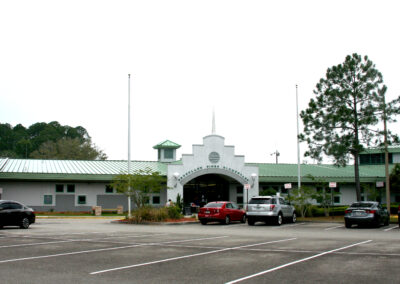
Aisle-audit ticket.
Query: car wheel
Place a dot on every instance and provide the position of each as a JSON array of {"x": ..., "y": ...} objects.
[
  {"x": 227, "y": 220},
  {"x": 24, "y": 223},
  {"x": 347, "y": 224},
  {"x": 243, "y": 220},
  {"x": 386, "y": 223},
  {"x": 250, "y": 221},
  {"x": 203, "y": 222},
  {"x": 377, "y": 222},
  {"x": 279, "y": 219},
  {"x": 294, "y": 218}
]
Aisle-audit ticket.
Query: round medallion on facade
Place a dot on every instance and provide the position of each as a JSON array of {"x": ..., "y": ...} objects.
[{"x": 213, "y": 157}]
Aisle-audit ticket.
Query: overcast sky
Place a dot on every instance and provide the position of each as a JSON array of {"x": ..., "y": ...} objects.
[{"x": 68, "y": 61}]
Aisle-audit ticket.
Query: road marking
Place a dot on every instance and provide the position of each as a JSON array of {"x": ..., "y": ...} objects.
[
  {"x": 233, "y": 225},
  {"x": 104, "y": 249},
  {"x": 331, "y": 228},
  {"x": 295, "y": 262},
  {"x": 291, "y": 225},
  {"x": 36, "y": 244},
  {"x": 79, "y": 240},
  {"x": 391, "y": 228},
  {"x": 186, "y": 256}
]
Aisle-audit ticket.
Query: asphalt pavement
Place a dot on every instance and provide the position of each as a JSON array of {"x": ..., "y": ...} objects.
[{"x": 99, "y": 251}]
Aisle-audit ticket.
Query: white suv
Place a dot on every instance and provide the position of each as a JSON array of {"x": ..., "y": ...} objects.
[{"x": 266, "y": 208}]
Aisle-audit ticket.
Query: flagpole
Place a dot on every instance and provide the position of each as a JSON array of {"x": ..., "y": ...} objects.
[
  {"x": 298, "y": 141},
  {"x": 129, "y": 144}
]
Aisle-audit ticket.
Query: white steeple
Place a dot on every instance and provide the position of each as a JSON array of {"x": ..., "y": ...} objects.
[{"x": 213, "y": 123}]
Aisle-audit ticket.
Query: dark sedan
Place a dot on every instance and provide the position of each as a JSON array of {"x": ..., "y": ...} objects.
[
  {"x": 398, "y": 215},
  {"x": 366, "y": 213},
  {"x": 13, "y": 213}
]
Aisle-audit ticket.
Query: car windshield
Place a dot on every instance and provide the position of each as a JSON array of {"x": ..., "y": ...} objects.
[
  {"x": 362, "y": 204},
  {"x": 214, "y": 205},
  {"x": 260, "y": 201}
]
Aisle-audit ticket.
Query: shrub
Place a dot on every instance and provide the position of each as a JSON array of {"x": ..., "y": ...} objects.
[
  {"x": 150, "y": 214},
  {"x": 174, "y": 212}
]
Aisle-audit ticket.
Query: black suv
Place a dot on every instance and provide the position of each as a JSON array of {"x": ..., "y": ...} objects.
[{"x": 13, "y": 213}]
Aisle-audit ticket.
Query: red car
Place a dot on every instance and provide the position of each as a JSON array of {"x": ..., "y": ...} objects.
[{"x": 221, "y": 211}]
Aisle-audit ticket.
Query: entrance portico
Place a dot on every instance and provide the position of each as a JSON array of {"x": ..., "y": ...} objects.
[{"x": 212, "y": 172}]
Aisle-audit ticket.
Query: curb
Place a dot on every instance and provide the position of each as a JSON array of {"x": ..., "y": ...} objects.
[
  {"x": 156, "y": 223},
  {"x": 80, "y": 217}
]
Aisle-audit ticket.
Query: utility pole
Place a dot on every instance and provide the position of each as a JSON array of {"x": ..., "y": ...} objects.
[
  {"x": 386, "y": 156},
  {"x": 277, "y": 154}
]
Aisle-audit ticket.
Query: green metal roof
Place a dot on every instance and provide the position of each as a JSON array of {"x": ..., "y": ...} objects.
[
  {"x": 167, "y": 144},
  {"x": 288, "y": 172},
  {"x": 31, "y": 169},
  {"x": 72, "y": 169},
  {"x": 381, "y": 150}
]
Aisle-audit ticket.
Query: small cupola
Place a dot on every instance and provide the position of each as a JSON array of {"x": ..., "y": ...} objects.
[{"x": 167, "y": 151}]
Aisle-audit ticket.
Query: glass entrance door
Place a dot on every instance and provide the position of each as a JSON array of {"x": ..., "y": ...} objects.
[{"x": 204, "y": 189}]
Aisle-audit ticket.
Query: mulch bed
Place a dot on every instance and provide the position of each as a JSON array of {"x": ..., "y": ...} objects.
[{"x": 168, "y": 221}]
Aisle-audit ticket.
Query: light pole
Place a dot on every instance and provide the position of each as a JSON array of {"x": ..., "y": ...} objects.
[
  {"x": 129, "y": 146},
  {"x": 298, "y": 142}
]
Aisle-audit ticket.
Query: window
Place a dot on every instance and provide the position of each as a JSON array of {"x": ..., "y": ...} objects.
[
  {"x": 336, "y": 199},
  {"x": 13, "y": 205},
  {"x": 71, "y": 188},
  {"x": 59, "y": 188},
  {"x": 48, "y": 199},
  {"x": 10, "y": 205},
  {"x": 109, "y": 189},
  {"x": 168, "y": 153},
  {"x": 239, "y": 189},
  {"x": 239, "y": 199},
  {"x": 156, "y": 199},
  {"x": 81, "y": 199},
  {"x": 368, "y": 159}
]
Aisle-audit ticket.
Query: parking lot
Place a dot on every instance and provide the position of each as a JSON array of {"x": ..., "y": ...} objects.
[{"x": 98, "y": 251}]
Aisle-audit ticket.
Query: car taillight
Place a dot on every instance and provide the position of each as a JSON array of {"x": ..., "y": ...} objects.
[
  {"x": 347, "y": 211},
  {"x": 272, "y": 206},
  {"x": 370, "y": 211}
]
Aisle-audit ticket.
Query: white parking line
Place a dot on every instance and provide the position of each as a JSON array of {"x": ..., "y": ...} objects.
[
  {"x": 36, "y": 244},
  {"x": 80, "y": 240},
  {"x": 104, "y": 249},
  {"x": 331, "y": 228},
  {"x": 295, "y": 262},
  {"x": 288, "y": 225},
  {"x": 391, "y": 228},
  {"x": 186, "y": 256}
]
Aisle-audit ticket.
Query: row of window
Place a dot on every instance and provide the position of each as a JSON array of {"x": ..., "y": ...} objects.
[
  {"x": 70, "y": 188},
  {"x": 48, "y": 199},
  {"x": 81, "y": 199}
]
